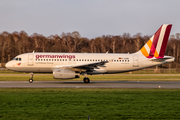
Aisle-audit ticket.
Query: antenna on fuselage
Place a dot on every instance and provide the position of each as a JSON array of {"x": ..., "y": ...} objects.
[
  {"x": 107, "y": 52},
  {"x": 33, "y": 51}
]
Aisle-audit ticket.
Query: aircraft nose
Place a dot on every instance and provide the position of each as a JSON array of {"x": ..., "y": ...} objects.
[{"x": 8, "y": 65}]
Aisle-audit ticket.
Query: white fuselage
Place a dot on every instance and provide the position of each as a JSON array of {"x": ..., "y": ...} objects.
[{"x": 46, "y": 62}]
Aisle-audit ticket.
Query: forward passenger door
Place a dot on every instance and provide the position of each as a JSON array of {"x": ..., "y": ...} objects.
[{"x": 30, "y": 60}]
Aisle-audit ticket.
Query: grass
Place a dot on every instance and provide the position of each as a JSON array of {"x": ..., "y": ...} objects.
[
  {"x": 99, "y": 104},
  {"x": 107, "y": 77},
  {"x": 140, "y": 75}
]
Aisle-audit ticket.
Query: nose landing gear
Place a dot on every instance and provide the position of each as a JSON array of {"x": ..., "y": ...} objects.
[{"x": 31, "y": 79}]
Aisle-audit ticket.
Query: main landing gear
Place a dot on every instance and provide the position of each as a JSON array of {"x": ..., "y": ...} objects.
[
  {"x": 86, "y": 80},
  {"x": 31, "y": 79}
]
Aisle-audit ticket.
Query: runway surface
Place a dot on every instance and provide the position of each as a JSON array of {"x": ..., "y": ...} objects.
[{"x": 92, "y": 84}]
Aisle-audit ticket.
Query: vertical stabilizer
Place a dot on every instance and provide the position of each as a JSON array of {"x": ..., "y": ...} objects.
[{"x": 156, "y": 46}]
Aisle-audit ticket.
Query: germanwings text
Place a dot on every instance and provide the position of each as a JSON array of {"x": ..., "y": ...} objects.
[{"x": 55, "y": 56}]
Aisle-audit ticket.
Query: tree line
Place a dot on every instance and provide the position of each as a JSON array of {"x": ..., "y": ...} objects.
[{"x": 13, "y": 44}]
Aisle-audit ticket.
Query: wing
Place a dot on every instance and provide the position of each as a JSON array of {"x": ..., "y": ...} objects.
[
  {"x": 91, "y": 66},
  {"x": 83, "y": 67}
]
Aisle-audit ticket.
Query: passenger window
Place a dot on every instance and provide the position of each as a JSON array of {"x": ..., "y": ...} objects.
[
  {"x": 46, "y": 59},
  {"x": 54, "y": 59},
  {"x": 38, "y": 59},
  {"x": 65, "y": 59},
  {"x": 57, "y": 59},
  {"x": 49, "y": 59}
]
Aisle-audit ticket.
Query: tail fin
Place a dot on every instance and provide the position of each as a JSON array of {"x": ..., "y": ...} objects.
[{"x": 156, "y": 46}]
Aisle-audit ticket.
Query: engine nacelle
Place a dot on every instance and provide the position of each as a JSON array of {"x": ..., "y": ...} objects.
[{"x": 65, "y": 74}]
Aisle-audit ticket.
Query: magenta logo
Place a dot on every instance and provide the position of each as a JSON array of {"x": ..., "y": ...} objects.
[{"x": 55, "y": 56}]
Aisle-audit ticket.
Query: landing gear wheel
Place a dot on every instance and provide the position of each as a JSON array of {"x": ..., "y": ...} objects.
[
  {"x": 86, "y": 80},
  {"x": 30, "y": 80}
]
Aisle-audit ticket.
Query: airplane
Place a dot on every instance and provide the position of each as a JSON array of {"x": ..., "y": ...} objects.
[{"x": 72, "y": 65}]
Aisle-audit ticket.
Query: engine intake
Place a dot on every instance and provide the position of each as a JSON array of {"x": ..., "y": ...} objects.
[{"x": 65, "y": 74}]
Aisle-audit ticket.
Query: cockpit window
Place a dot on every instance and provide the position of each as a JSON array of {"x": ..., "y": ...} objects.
[{"x": 17, "y": 59}]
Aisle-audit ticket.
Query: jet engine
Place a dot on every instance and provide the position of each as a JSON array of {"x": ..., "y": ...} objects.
[{"x": 65, "y": 74}]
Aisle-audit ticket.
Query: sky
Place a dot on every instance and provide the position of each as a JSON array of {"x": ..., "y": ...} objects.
[{"x": 91, "y": 18}]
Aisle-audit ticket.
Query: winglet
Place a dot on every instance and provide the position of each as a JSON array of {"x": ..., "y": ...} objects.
[{"x": 156, "y": 46}]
